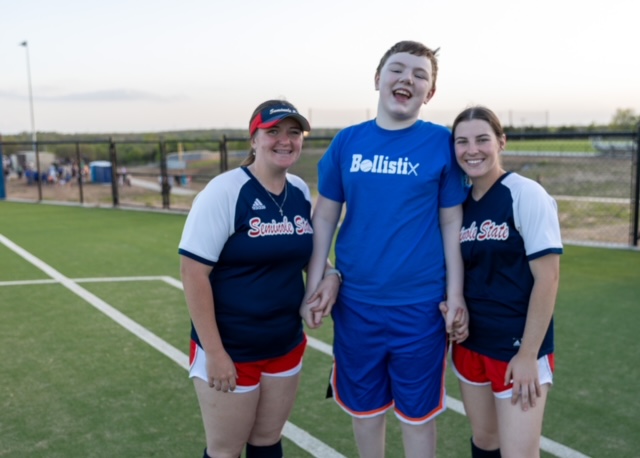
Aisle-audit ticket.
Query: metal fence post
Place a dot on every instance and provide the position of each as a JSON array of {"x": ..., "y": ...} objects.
[
  {"x": 39, "y": 180},
  {"x": 114, "y": 172},
  {"x": 636, "y": 198},
  {"x": 79, "y": 171},
  {"x": 164, "y": 179},
  {"x": 224, "y": 164}
]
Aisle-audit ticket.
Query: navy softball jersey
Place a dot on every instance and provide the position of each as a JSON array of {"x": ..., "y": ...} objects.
[
  {"x": 257, "y": 257},
  {"x": 515, "y": 222}
]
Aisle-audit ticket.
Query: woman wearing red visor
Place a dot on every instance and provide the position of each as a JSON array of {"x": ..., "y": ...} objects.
[{"x": 244, "y": 246}]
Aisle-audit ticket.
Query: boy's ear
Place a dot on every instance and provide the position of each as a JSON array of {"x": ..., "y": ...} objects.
[
  {"x": 376, "y": 81},
  {"x": 429, "y": 96}
]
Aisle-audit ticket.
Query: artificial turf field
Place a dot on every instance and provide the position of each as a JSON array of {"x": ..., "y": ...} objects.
[{"x": 94, "y": 335}]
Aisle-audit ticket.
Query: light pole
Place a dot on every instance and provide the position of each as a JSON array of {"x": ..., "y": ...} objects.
[{"x": 33, "y": 123}]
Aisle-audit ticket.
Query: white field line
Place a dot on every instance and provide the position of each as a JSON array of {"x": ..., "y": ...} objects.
[
  {"x": 156, "y": 187},
  {"x": 292, "y": 432},
  {"x": 124, "y": 321},
  {"x": 298, "y": 436}
]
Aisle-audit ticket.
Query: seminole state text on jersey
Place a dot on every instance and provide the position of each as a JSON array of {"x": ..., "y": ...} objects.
[
  {"x": 235, "y": 227},
  {"x": 515, "y": 222},
  {"x": 394, "y": 182}
]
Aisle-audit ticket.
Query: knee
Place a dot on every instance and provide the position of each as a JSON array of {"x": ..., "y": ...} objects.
[
  {"x": 369, "y": 425},
  {"x": 485, "y": 435},
  {"x": 486, "y": 440},
  {"x": 265, "y": 436}
]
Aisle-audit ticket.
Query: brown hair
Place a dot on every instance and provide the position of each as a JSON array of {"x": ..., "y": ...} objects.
[
  {"x": 251, "y": 156},
  {"x": 483, "y": 114},
  {"x": 417, "y": 49}
]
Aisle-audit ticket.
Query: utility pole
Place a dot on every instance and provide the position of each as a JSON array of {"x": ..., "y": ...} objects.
[{"x": 34, "y": 137}]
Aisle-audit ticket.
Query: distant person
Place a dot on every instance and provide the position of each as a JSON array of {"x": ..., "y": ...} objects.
[
  {"x": 85, "y": 173},
  {"x": 245, "y": 244},
  {"x": 399, "y": 252},
  {"x": 511, "y": 246},
  {"x": 52, "y": 176},
  {"x": 124, "y": 177},
  {"x": 30, "y": 173}
]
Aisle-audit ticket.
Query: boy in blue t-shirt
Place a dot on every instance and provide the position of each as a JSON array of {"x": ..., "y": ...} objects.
[{"x": 399, "y": 253}]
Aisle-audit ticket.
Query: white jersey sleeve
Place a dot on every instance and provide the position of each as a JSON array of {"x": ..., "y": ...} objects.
[
  {"x": 535, "y": 215},
  {"x": 211, "y": 219}
]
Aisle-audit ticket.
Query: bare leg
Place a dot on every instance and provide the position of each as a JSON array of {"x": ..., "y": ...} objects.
[
  {"x": 479, "y": 403},
  {"x": 520, "y": 430},
  {"x": 227, "y": 417},
  {"x": 370, "y": 436},
  {"x": 419, "y": 440},
  {"x": 277, "y": 396}
]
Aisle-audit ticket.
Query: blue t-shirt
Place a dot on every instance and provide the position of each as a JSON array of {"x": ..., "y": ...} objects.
[
  {"x": 515, "y": 222},
  {"x": 389, "y": 247},
  {"x": 258, "y": 257}
]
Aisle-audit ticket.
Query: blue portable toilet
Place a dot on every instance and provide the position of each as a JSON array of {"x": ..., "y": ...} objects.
[
  {"x": 100, "y": 171},
  {"x": 3, "y": 193}
]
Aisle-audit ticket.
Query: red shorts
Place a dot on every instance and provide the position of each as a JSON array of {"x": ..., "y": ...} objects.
[
  {"x": 476, "y": 369},
  {"x": 249, "y": 373}
]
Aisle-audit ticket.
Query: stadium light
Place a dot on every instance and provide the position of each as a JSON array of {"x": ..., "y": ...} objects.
[{"x": 34, "y": 137}]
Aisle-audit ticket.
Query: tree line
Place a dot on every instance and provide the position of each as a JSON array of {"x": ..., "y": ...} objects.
[{"x": 139, "y": 148}]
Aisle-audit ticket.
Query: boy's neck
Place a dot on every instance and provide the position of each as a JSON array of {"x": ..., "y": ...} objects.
[{"x": 386, "y": 122}]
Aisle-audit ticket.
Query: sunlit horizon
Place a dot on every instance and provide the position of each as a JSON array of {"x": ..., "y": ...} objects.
[{"x": 127, "y": 67}]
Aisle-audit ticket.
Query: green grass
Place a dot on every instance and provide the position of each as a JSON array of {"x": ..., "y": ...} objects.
[
  {"x": 565, "y": 146},
  {"x": 585, "y": 214},
  {"x": 74, "y": 383}
]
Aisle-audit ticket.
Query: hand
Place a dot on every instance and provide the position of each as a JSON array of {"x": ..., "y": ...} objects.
[
  {"x": 320, "y": 303},
  {"x": 444, "y": 308},
  {"x": 456, "y": 319},
  {"x": 221, "y": 372},
  {"x": 311, "y": 317},
  {"x": 522, "y": 371}
]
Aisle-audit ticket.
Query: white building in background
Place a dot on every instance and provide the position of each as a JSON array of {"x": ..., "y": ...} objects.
[
  {"x": 180, "y": 159},
  {"x": 27, "y": 159}
]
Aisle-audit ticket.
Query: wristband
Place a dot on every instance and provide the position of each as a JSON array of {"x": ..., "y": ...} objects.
[{"x": 333, "y": 272}]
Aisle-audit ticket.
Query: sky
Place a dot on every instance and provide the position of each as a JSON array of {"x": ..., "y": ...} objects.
[{"x": 158, "y": 65}]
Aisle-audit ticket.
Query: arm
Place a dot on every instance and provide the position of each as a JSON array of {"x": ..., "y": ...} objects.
[
  {"x": 523, "y": 367},
  {"x": 221, "y": 371},
  {"x": 456, "y": 316},
  {"x": 321, "y": 294}
]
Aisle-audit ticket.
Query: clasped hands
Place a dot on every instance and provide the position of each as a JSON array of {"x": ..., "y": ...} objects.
[{"x": 319, "y": 304}]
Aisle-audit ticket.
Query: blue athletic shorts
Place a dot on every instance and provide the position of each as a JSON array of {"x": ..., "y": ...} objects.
[{"x": 389, "y": 356}]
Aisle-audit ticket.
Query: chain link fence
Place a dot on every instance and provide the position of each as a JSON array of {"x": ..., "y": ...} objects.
[{"x": 594, "y": 177}]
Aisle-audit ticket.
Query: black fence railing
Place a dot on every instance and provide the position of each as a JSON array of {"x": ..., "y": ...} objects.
[{"x": 594, "y": 177}]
